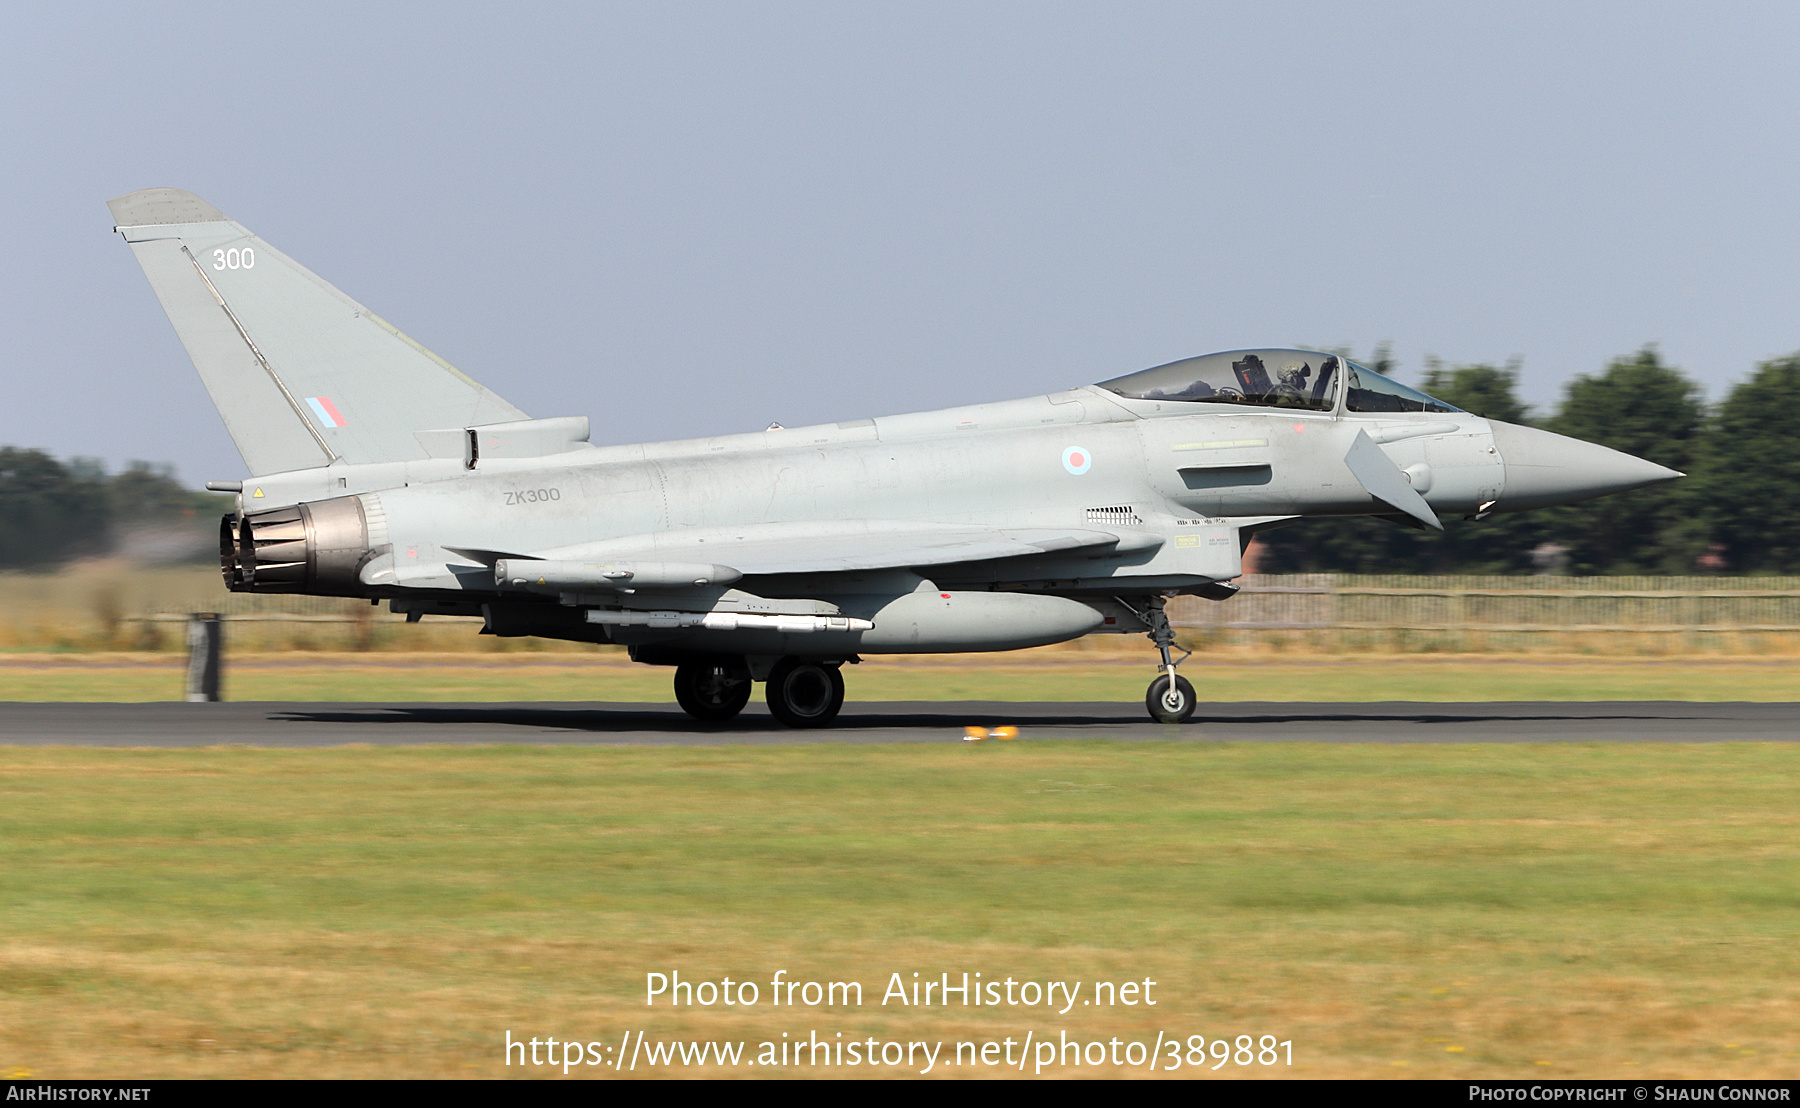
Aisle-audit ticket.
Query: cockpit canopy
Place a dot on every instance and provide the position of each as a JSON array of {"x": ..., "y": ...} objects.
[{"x": 1305, "y": 379}]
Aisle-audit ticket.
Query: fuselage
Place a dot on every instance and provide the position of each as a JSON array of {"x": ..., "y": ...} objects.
[
  {"x": 1126, "y": 498},
  {"x": 1001, "y": 464}
]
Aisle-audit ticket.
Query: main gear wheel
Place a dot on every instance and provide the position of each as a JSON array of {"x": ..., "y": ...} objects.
[
  {"x": 713, "y": 689},
  {"x": 804, "y": 693}
]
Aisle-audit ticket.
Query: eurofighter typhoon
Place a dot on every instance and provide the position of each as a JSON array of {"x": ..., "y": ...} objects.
[{"x": 380, "y": 471}]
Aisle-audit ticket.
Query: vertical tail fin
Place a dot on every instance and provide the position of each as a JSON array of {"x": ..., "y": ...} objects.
[{"x": 302, "y": 374}]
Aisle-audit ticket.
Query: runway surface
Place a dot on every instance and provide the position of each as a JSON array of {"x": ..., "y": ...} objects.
[{"x": 303, "y": 725}]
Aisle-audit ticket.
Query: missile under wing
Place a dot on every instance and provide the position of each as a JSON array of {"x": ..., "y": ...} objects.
[{"x": 378, "y": 470}]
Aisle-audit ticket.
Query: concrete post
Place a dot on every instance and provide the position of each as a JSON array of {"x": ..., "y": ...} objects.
[{"x": 205, "y": 637}]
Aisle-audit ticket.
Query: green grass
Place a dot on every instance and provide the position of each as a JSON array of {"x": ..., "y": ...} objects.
[
  {"x": 1437, "y": 910},
  {"x": 1027, "y": 676}
]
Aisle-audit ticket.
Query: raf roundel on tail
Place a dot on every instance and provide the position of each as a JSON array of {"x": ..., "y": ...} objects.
[{"x": 383, "y": 472}]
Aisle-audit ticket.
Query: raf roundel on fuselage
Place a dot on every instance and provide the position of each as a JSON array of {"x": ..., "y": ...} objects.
[{"x": 1303, "y": 379}]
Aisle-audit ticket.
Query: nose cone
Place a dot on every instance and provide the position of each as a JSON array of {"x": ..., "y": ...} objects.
[{"x": 1544, "y": 468}]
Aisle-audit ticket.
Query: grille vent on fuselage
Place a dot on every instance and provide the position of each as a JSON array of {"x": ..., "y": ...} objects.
[{"x": 1121, "y": 516}]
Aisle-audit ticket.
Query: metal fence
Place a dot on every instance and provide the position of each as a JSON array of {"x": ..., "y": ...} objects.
[
  {"x": 1468, "y": 613},
  {"x": 262, "y": 621}
]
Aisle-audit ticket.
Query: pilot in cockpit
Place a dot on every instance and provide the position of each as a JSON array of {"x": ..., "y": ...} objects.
[{"x": 1292, "y": 380}]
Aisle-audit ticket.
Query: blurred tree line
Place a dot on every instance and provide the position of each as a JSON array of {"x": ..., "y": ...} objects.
[
  {"x": 1737, "y": 511},
  {"x": 53, "y": 512}
]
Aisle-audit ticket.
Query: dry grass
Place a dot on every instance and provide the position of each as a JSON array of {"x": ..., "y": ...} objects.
[{"x": 1435, "y": 911}]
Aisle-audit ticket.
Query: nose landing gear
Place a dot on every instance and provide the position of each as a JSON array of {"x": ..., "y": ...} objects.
[{"x": 1171, "y": 697}]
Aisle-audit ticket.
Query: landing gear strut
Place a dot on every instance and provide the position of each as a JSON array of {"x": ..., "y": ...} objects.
[{"x": 1171, "y": 697}]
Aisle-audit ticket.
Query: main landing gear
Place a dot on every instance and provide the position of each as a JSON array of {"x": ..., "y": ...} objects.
[
  {"x": 712, "y": 689},
  {"x": 801, "y": 692},
  {"x": 1170, "y": 698},
  {"x": 804, "y": 693}
]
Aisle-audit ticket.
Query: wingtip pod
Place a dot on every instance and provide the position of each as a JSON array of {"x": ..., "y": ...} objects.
[{"x": 152, "y": 207}]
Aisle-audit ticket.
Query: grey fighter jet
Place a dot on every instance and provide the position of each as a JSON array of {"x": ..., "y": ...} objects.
[{"x": 378, "y": 470}]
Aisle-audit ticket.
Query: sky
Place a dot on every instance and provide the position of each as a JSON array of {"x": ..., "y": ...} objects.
[{"x": 692, "y": 219}]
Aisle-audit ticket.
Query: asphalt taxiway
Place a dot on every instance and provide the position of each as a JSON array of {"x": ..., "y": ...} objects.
[{"x": 325, "y": 724}]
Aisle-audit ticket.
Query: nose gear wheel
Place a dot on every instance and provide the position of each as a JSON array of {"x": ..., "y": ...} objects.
[{"x": 1170, "y": 701}]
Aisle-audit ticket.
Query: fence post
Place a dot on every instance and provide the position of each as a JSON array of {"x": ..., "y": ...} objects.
[{"x": 204, "y": 641}]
